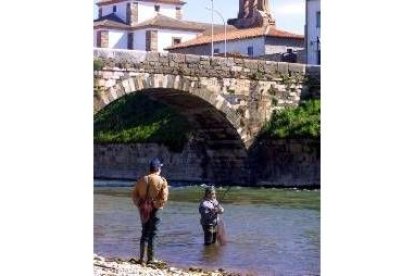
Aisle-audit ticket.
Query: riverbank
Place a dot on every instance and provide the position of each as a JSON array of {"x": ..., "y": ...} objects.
[{"x": 115, "y": 267}]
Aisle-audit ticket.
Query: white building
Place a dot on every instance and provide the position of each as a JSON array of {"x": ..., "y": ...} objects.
[
  {"x": 313, "y": 31},
  {"x": 157, "y": 25},
  {"x": 148, "y": 25},
  {"x": 249, "y": 42}
]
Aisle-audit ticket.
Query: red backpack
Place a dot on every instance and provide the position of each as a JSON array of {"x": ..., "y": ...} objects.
[{"x": 146, "y": 205}]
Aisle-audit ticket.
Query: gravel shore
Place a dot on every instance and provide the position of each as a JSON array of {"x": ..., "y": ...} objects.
[{"x": 118, "y": 267}]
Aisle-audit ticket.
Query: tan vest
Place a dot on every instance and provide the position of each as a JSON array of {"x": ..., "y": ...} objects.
[{"x": 158, "y": 190}]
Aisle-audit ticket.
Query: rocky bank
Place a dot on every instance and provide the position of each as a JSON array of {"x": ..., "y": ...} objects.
[{"x": 119, "y": 267}]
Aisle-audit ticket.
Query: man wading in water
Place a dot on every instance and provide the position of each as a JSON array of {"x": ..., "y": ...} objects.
[
  {"x": 150, "y": 194},
  {"x": 209, "y": 209}
]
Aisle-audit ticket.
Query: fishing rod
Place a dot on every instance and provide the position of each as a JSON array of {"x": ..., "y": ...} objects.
[{"x": 225, "y": 192}]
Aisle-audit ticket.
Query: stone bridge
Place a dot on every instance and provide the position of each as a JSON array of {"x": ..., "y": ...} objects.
[{"x": 227, "y": 99}]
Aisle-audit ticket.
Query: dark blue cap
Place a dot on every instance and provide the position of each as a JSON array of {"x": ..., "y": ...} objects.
[{"x": 155, "y": 164}]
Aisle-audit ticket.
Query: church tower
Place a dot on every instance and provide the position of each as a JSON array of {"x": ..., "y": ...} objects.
[{"x": 253, "y": 13}]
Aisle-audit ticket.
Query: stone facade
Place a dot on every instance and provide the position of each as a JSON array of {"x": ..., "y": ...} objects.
[
  {"x": 192, "y": 165},
  {"x": 245, "y": 91},
  {"x": 253, "y": 14},
  {"x": 103, "y": 39},
  {"x": 286, "y": 163},
  {"x": 151, "y": 40},
  {"x": 282, "y": 163},
  {"x": 128, "y": 161},
  {"x": 133, "y": 13}
]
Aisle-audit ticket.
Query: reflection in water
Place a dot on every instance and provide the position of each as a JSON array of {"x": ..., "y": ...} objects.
[
  {"x": 265, "y": 238},
  {"x": 211, "y": 254}
]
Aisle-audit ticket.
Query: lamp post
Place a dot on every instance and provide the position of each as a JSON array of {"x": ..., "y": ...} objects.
[
  {"x": 212, "y": 28},
  {"x": 225, "y": 31}
]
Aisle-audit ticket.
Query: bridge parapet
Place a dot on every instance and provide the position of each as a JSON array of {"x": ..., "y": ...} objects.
[{"x": 201, "y": 66}]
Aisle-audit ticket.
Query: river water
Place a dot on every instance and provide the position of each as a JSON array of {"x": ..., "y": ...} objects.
[{"x": 269, "y": 231}]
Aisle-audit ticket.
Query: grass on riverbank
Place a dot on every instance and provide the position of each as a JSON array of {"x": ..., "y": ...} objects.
[
  {"x": 285, "y": 198},
  {"x": 135, "y": 118},
  {"x": 301, "y": 122}
]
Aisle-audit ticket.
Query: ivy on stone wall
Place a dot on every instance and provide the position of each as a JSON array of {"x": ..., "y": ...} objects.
[
  {"x": 98, "y": 64},
  {"x": 300, "y": 122},
  {"x": 135, "y": 118}
]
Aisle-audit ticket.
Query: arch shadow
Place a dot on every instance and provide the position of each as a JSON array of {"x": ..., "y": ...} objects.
[{"x": 214, "y": 152}]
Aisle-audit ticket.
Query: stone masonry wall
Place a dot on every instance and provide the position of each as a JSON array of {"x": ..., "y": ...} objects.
[
  {"x": 282, "y": 163},
  {"x": 286, "y": 163},
  {"x": 246, "y": 91},
  {"x": 128, "y": 161},
  {"x": 205, "y": 66}
]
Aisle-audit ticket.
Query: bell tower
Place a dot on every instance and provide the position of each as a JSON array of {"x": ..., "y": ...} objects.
[{"x": 253, "y": 13}]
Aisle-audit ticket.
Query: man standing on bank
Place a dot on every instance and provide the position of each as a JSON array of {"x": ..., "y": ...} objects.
[
  {"x": 209, "y": 209},
  {"x": 153, "y": 188}
]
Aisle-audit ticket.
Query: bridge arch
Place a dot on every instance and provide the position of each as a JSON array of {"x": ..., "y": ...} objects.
[
  {"x": 187, "y": 86},
  {"x": 215, "y": 152}
]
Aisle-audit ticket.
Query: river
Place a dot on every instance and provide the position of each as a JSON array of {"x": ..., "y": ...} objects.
[{"x": 269, "y": 231}]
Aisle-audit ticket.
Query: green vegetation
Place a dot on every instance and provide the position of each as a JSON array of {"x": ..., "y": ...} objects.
[
  {"x": 98, "y": 64},
  {"x": 289, "y": 198},
  {"x": 137, "y": 119},
  {"x": 285, "y": 198},
  {"x": 301, "y": 122},
  {"x": 257, "y": 76}
]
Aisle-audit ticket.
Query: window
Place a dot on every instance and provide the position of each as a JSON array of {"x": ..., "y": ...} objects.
[
  {"x": 216, "y": 51},
  {"x": 318, "y": 19},
  {"x": 157, "y": 8},
  {"x": 100, "y": 12},
  {"x": 176, "y": 40},
  {"x": 178, "y": 14},
  {"x": 130, "y": 41},
  {"x": 114, "y": 9},
  {"x": 250, "y": 51},
  {"x": 98, "y": 39}
]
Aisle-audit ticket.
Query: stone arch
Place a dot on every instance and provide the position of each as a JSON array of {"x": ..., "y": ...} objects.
[
  {"x": 217, "y": 149},
  {"x": 205, "y": 88}
]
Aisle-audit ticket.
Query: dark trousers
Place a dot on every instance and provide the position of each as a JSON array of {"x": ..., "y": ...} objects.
[
  {"x": 149, "y": 231},
  {"x": 210, "y": 233}
]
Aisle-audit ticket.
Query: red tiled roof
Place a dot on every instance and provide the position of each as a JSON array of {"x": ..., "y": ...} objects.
[
  {"x": 269, "y": 31},
  {"x": 107, "y": 2}
]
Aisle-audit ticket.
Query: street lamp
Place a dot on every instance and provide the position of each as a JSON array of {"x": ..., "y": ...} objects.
[
  {"x": 212, "y": 28},
  {"x": 225, "y": 31}
]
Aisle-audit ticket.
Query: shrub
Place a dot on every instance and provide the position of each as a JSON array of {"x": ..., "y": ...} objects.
[
  {"x": 136, "y": 119},
  {"x": 300, "y": 122},
  {"x": 98, "y": 64}
]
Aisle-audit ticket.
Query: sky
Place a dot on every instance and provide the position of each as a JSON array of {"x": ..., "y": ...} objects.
[{"x": 289, "y": 14}]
